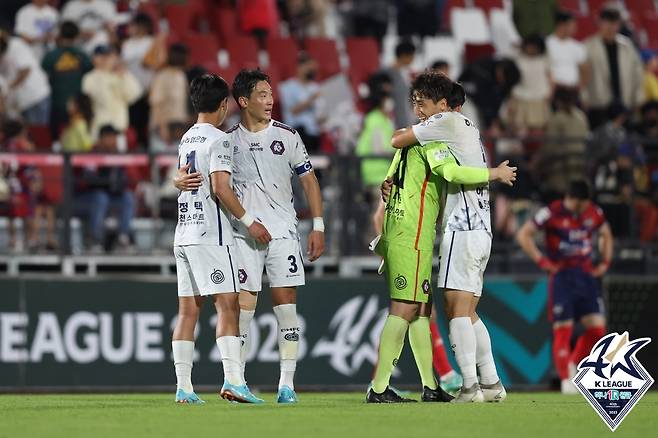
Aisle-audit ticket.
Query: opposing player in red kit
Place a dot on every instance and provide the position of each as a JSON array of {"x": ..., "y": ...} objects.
[{"x": 574, "y": 281}]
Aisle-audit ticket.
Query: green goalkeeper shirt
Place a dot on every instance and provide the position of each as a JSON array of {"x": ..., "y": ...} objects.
[{"x": 420, "y": 175}]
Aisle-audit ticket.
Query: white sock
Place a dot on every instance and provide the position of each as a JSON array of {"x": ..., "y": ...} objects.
[
  {"x": 462, "y": 339},
  {"x": 286, "y": 316},
  {"x": 483, "y": 356},
  {"x": 245, "y": 321},
  {"x": 229, "y": 348},
  {"x": 183, "y": 358}
]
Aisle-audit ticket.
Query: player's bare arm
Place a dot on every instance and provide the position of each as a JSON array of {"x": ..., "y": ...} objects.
[
  {"x": 403, "y": 138},
  {"x": 314, "y": 196},
  {"x": 185, "y": 181},
  {"x": 606, "y": 245},
  {"x": 221, "y": 183},
  {"x": 525, "y": 238}
]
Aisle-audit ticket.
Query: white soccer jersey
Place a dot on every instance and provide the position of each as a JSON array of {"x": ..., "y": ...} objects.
[
  {"x": 263, "y": 165},
  {"x": 202, "y": 220},
  {"x": 467, "y": 206}
]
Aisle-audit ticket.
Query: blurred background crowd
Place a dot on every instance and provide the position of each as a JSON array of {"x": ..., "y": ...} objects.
[{"x": 564, "y": 89}]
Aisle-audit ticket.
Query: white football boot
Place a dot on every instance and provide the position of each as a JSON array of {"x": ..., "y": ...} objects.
[
  {"x": 469, "y": 395},
  {"x": 494, "y": 393}
]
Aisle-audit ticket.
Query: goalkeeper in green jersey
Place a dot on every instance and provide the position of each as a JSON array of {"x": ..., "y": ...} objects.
[{"x": 419, "y": 175}]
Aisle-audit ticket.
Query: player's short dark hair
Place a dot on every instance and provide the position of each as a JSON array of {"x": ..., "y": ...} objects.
[
  {"x": 579, "y": 189},
  {"x": 432, "y": 85},
  {"x": 177, "y": 55},
  {"x": 207, "y": 92},
  {"x": 245, "y": 82},
  {"x": 144, "y": 21},
  {"x": 68, "y": 30},
  {"x": 610, "y": 14},
  {"x": 405, "y": 47},
  {"x": 457, "y": 95},
  {"x": 563, "y": 16},
  {"x": 107, "y": 130},
  {"x": 534, "y": 40}
]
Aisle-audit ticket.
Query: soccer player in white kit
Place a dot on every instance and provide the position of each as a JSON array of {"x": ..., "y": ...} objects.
[
  {"x": 467, "y": 235},
  {"x": 204, "y": 248},
  {"x": 266, "y": 155}
]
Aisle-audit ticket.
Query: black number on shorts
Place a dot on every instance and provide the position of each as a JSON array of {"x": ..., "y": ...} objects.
[{"x": 293, "y": 264}]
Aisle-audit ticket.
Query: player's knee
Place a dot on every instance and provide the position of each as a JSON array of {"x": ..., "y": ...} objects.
[
  {"x": 284, "y": 295},
  {"x": 248, "y": 300}
]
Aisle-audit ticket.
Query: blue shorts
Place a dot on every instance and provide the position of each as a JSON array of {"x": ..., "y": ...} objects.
[{"x": 574, "y": 293}]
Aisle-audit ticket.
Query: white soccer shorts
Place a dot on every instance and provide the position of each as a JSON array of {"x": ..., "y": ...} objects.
[
  {"x": 206, "y": 269},
  {"x": 463, "y": 259},
  {"x": 282, "y": 258}
]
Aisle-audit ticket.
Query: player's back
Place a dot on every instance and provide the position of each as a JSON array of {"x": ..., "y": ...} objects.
[
  {"x": 201, "y": 218},
  {"x": 467, "y": 206},
  {"x": 413, "y": 208},
  {"x": 264, "y": 163}
]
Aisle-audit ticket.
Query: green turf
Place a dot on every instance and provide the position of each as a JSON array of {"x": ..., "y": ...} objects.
[{"x": 531, "y": 415}]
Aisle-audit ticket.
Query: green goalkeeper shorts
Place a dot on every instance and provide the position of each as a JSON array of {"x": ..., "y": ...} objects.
[{"x": 408, "y": 272}]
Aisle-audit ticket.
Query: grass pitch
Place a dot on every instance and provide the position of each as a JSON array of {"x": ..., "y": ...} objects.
[{"x": 332, "y": 415}]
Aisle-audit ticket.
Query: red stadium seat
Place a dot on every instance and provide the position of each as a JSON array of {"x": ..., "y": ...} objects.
[
  {"x": 363, "y": 54},
  {"x": 52, "y": 182},
  {"x": 242, "y": 51},
  {"x": 651, "y": 28},
  {"x": 228, "y": 74},
  {"x": 226, "y": 24},
  {"x": 572, "y": 6},
  {"x": 283, "y": 54},
  {"x": 40, "y": 135},
  {"x": 180, "y": 18},
  {"x": 585, "y": 27},
  {"x": 488, "y": 5},
  {"x": 473, "y": 52},
  {"x": 202, "y": 47},
  {"x": 641, "y": 8},
  {"x": 325, "y": 53}
]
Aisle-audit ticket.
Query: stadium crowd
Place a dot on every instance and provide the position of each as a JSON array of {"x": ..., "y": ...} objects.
[{"x": 561, "y": 88}]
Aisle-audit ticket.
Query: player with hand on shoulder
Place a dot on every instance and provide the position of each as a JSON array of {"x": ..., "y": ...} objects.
[
  {"x": 575, "y": 283},
  {"x": 206, "y": 259},
  {"x": 266, "y": 156},
  {"x": 466, "y": 235},
  {"x": 419, "y": 175}
]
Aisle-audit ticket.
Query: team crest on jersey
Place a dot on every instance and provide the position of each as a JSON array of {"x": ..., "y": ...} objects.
[
  {"x": 612, "y": 379},
  {"x": 400, "y": 282},
  {"x": 217, "y": 276},
  {"x": 242, "y": 276},
  {"x": 226, "y": 144},
  {"x": 277, "y": 147}
]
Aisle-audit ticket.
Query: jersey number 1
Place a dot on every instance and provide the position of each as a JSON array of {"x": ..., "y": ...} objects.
[{"x": 191, "y": 160}]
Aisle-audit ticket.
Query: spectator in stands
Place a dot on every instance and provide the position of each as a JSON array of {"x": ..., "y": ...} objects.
[
  {"x": 258, "y": 17},
  {"x": 32, "y": 203},
  {"x": 607, "y": 138},
  {"x": 562, "y": 155},
  {"x": 375, "y": 138},
  {"x": 615, "y": 70},
  {"x": 112, "y": 88},
  {"x": 65, "y": 66},
  {"x": 567, "y": 56},
  {"x": 306, "y": 18},
  {"x": 528, "y": 107},
  {"x": 650, "y": 59},
  {"x": 77, "y": 135},
  {"x": 299, "y": 97},
  {"x": 29, "y": 91},
  {"x": 488, "y": 83},
  {"x": 417, "y": 18},
  {"x": 134, "y": 52},
  {"x": 370, "y": 19},
  {"x": 534, "y": 17},
  {"x": 613, "y": 183},
  {"x": 168, "y": 99},
  {"x": 99, "y": 190},
  {"x": 36, "y": 23},
  {"x": 400, "y": 74},
  {"x": 95, "y": 19}
]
